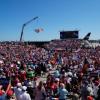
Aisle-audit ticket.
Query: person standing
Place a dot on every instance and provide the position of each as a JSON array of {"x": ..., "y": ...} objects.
[
  {"x": 40, "y": 92},
  {"x": 24, "y": 95},
  {"x": 62, "y": 92}
]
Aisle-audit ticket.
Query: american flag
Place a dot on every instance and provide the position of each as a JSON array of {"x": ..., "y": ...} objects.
[{"x": 39, "y": 30}]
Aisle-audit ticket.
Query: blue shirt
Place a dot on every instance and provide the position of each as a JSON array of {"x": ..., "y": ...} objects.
[
  {"x": 63, "y": 93},
  {"x": 56, "y": 74},
  {"x": 3, "y": 97}
]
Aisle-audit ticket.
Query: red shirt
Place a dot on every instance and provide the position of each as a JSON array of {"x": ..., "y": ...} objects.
[{"x": 89, "y": 98}]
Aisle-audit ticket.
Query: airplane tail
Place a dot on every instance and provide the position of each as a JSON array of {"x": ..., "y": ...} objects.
[{"x": 87, "y": 36}]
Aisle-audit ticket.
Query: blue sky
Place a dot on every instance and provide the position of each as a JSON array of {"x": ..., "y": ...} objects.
[{"x": 54, "y": 16}]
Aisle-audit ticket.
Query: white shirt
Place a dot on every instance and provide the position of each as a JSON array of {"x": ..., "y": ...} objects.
[
  {"x": 90, "y": 90},
  {"x": 95, "y": 90},
  {"x": 17, "y": 91},
  {"x": 24, "y": 96}
]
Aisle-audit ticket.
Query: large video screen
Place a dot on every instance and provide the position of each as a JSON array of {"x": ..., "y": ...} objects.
[{"x": 68, "y": 34}]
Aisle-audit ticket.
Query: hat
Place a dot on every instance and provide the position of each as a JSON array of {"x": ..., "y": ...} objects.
[
  {"x": 19, "y": 84},
  {"x": 24, "y": 88},
  {"x": 1, "y": 62},
  {"x": 30, "y": 84},
  {"x": 65, "y": 74},
  {"x": 18, "y": 62},
  {"x": 57, "y": 79},
  {"x": 70, "y": 74}
]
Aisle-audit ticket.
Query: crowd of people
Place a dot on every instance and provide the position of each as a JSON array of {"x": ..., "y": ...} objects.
[{"x": 70, "y": 71}]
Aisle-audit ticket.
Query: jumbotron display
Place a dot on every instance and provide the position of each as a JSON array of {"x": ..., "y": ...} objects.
[{"x": 69, "y": 34}]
